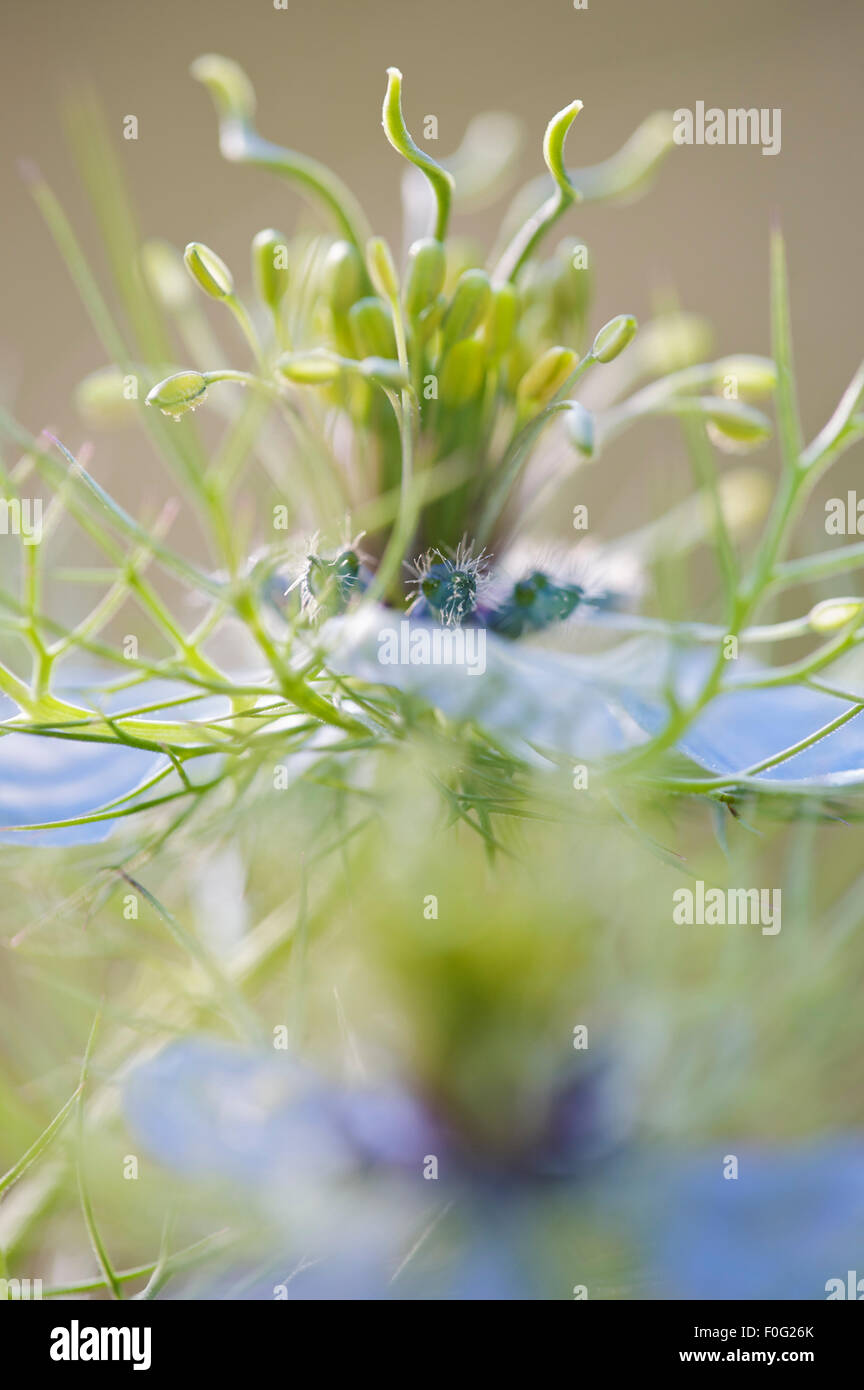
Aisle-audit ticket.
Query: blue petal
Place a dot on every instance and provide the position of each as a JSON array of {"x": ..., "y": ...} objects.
[
  {"x": 203, "y": 1107},
  {"x": 787, "y": 1224},
  {"x": 593, "y": 706},
  {"x": 791, "y": 1221},
  {"x": 209, "y": 1110},
  {"x": 746, "y": 727},
  {"x": 532, "y": 697}
]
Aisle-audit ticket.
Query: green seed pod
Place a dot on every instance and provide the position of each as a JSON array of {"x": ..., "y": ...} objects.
[
  {"x": 270, "y": 267},
  {"x": 427, "y": 266},
  {"x": 462, "y": 374},
  {"x": 343, "y": 276},
  {"x": 547, "y": 375},
  {"x": 382, "y": 271},
  {"x": 834, "y": 613},
  {"x": 468, "y": 307},
  {"x": 501, "y": 323},
  {"x": 384, "y": 371},
  {"x": 579, "y": 427},
  {"x": 179, "y": 393},
  {"x": 209, "y": 270},
  {"x": 372, "y": 329},
  {"x": 614, "y": 337},
  {"x": 316, "y": 368}
]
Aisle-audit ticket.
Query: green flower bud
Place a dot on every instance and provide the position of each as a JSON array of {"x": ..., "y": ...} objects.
[
  {"x": 517, "y": 363},
  {"x": 753, "y": 376},
  {"x": 462, "y": 374},
  {"x": 733, "y": 426},
  {"x": 501, "y": 323},
  {"x": 210, "y": 271},
  {"x": 579, "y": 426},
  {"x": 343, "y": 276},
  {"x": 179, "y": 393},
  {"x": 614, "y": 337},
  {"x": 427, "y": 266},
  {"x": 103, "y": 400},
  {"x": 430, "y": 320},
  {"x": 382, "y": 270},
  {"x": 163, "y": 270},
  {"x": 834, "y": 613},
  {"x": 372, "y": 329},
  {"x": 547, "y": 375},
  {"x": 463, "y": 253},
  {"x": 745, "y": 496},
  {"x": 384, "y": 371},
  {"x": 315, "y": 368},
  {"x": 468, "y": 307},
  {"x": 270, "y": 267}
]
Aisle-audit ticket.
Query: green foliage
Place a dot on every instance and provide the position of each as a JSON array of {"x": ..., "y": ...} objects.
[{"x": 384, "y": 416}]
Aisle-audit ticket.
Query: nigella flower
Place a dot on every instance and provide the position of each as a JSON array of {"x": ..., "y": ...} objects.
[
  {"x": 429, "y": 398},
  {"x": 338, "y": 1175},
  {"x": 344, "y": 1170}
]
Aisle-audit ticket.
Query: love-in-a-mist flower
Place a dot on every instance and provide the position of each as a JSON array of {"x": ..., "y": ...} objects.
[{"x": 444, "y": 400}]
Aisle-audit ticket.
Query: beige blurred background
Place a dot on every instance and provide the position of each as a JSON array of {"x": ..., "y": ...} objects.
[{"x": 319, "y": 71}]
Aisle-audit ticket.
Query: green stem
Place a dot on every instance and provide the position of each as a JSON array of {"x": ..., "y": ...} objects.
[
  {"x": 823, "y": 565},
  {"x": 190, "y": 1255},
  {"x": 241, "y": 314},
  {"x": 41, "y": 1144},
  {"x": 400, "y": 138},
  {"x": 292, "y": 686},
  {"x": 96, "y": 1242},
  {"x": 532, "y": 232}
]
